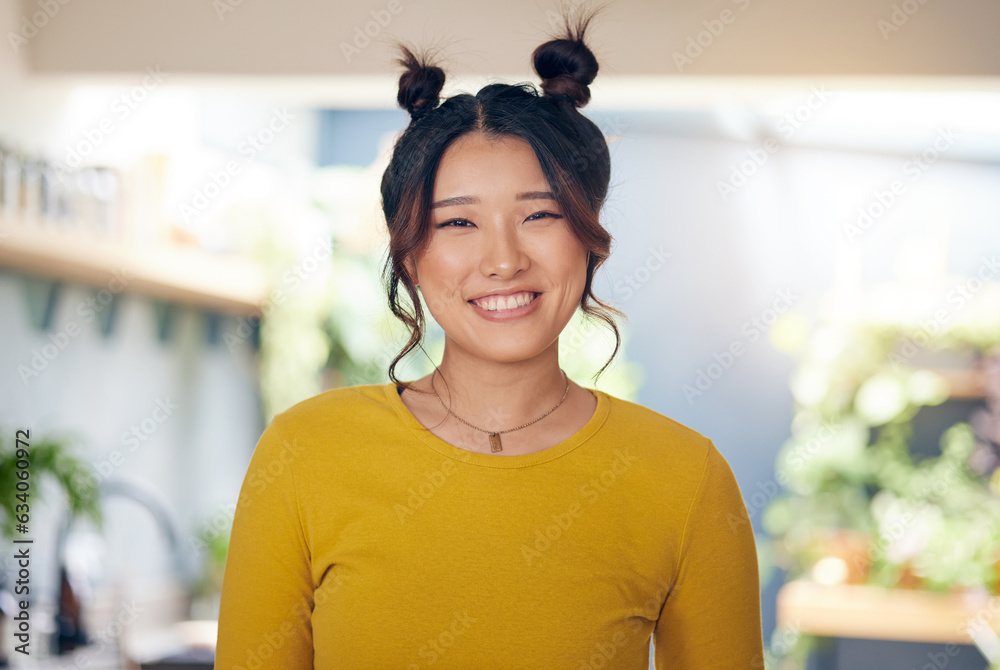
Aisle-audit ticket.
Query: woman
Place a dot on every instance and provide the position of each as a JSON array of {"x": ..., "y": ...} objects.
[{"x": 492, "y": 514}]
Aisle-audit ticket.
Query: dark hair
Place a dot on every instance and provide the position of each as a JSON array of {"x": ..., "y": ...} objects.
[{"x": 571, "y": 150}]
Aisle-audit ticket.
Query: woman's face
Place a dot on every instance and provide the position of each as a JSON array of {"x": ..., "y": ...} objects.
[{"x": 496, "y": 228}]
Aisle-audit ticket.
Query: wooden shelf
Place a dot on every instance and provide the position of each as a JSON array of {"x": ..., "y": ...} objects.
[
  {"x": 171, "y": 273},
  {"x": 865, "y": 611}
]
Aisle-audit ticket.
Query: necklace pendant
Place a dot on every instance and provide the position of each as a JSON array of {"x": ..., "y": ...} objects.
[{"x": 495, "y": 442}]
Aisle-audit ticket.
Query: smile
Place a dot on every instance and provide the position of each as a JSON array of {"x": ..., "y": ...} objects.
[
  {"x": 513, "y": 301},
  {"x": 503, "y": 308}
]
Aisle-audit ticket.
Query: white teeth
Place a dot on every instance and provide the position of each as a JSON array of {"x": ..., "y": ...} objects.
[{"x": 510, "y": 302}]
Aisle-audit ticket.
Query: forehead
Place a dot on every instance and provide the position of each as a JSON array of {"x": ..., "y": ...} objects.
[{"x": 474, "y": 161}]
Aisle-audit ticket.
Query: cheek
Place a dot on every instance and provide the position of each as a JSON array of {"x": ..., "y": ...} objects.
[
  {"x": 446, "y": 259},
  {"x": 442, "y": 285},
  {"x": 562, "y": 248},
  {"x": 441, "y": 265},
  {"x": 574, "y": 261},
  {"x": 565, "y": 262}
]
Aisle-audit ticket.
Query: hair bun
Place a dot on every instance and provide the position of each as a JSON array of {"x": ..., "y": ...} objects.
[
  {"x": 566, "y": 65},
  {"x": 420, "y": 85}
]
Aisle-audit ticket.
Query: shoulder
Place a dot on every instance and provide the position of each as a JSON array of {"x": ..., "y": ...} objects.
[
  {"x": 337, "y": 416},
  {"x": 652, "y": 427},
  {"x": 668, "y": 450},
  {"x": 333, "y": 431},
  {"x": 338, "y": 404}
]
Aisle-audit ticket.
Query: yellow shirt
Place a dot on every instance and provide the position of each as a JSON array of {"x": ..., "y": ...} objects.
[{"x": 362, "y": 540}]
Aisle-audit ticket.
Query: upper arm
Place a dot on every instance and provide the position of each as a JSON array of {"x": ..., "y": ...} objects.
[
  {"x": 267, "y": 590},
  {"x": 712, "y": 618}
]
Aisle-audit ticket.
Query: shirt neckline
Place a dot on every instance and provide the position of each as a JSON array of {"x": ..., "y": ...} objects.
[{"x": 489, "y": 460}]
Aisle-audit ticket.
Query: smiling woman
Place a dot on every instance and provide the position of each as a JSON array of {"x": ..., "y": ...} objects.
[
  {"x": 505, "y": 241},
  {"x": 492, "y": 514}
]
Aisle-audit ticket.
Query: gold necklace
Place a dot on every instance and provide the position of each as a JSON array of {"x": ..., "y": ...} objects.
[{"x": 495, "y": 444}]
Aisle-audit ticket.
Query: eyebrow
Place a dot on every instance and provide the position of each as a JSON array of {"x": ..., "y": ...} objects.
[{"x": 472, "y": 200}]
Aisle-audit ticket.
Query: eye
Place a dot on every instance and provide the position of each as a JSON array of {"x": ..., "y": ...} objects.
[
  {"x": 465, "y": 223},
  {"x": 450, "y": 222},
  {"x": 543, "y": 214}
]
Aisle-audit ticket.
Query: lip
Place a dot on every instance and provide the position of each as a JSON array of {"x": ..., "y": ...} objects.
[
  {"x": 507, "y": 314},
  {"x": 497, "y": 294}
]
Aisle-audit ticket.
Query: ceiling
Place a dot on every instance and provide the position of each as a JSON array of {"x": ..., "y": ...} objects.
[
  {"x": 753, "y": 60},
  {"x": 678, "y": 39}
]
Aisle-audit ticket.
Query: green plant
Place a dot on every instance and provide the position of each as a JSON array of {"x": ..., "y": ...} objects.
[
  {"x": 212, "y": 538},
  {"x": 848, "y": 471},
  {"x": 49, "y": 457}
]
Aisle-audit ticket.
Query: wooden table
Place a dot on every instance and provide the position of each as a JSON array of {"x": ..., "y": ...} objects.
[{"x": 872, "y": 612}]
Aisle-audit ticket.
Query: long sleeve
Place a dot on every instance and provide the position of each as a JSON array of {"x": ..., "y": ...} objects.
[
  {"x": 712, "y": 617},
  {"x": 267, "y": 589}
]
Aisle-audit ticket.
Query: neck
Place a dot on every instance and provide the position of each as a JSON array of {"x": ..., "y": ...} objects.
[{"x": 496, "y": 395}]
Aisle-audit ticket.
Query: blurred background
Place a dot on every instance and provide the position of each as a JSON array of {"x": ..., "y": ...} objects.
[{"x": 804, "y": 203}]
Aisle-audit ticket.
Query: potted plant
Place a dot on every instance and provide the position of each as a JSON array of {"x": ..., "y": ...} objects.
[
  {"x": 891, "y": 472},
  {"x": 51, "y": 458}
]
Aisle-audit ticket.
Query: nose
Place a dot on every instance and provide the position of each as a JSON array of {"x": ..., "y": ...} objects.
[{"x": 503, "y": 254}]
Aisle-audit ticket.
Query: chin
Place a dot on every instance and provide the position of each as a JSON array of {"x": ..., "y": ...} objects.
[{"x": 513, "y": 352}]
